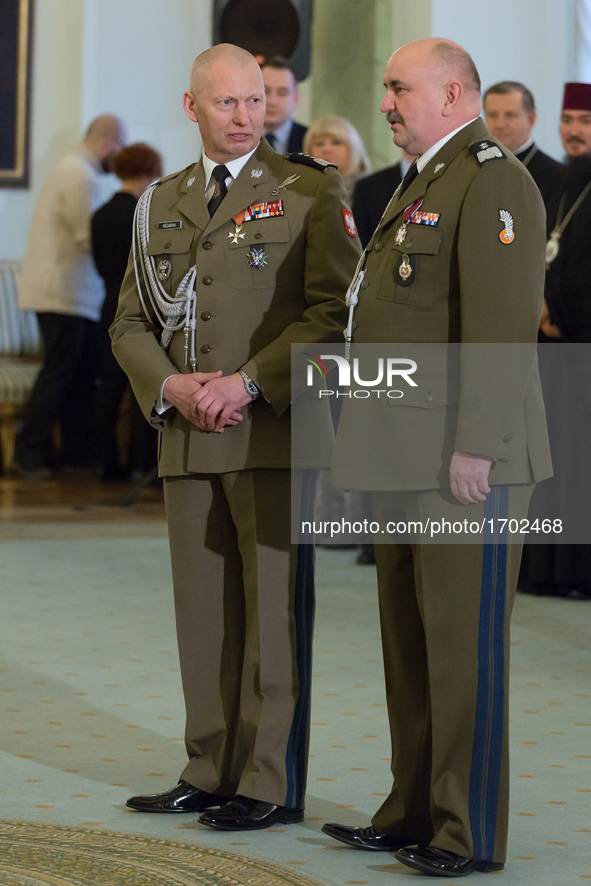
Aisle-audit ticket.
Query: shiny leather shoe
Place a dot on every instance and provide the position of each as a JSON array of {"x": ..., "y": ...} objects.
[
  {"x": 246, "y": 814},
  {"x": 363, "y": 838},
  {"x": 182, "y": 798},
  {"x": 442, "y": 863}
]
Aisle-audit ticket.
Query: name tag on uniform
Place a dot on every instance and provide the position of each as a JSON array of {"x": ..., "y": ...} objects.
[{"x": 167, "y": 226}]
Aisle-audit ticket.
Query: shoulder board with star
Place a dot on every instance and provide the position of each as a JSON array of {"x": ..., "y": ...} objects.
[
  {"x": 485, "y": 150},
  {"x": 308, "y": 160}
]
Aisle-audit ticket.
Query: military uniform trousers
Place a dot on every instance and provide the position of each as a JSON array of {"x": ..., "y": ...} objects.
[
  {"x": 244, "y": 601},
  {"x": 445, "y": 612}
]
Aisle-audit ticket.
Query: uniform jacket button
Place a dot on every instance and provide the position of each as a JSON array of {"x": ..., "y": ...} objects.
[
  {"x": 258, "y": 236},
  {"x": 508, "y": 438},
  {"x": 365, "y": 284},
  {"x": 378, "y": 247},
  {"x": 408, "y": 244},
  {"x": 207, "y": 280},
  {"x": 429, "y": 398},
  {"x": 207, "y": 245},
  {"x": 205, "y": 349},
  {"x": 206, "y": 315}
]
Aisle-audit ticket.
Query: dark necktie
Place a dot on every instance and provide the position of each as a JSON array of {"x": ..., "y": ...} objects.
[
  {"x": 272, "y": 139},
  {"x": 220, "y": 174},
  {"x": 411, "y": 174}
]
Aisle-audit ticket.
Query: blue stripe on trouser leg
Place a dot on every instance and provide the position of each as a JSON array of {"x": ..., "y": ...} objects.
[
  {"x": 488, "y": 730},
  {"x": 296, "y": 757}
]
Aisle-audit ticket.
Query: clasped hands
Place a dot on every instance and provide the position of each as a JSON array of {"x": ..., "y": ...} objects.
[{"x": 209, "y": 400}]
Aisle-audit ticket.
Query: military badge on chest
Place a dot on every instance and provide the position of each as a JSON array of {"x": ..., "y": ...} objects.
[
  {"x": 405, "y": 271},
  {"x": 164, "y": 269},
  {"x": 256, "y": 258}
]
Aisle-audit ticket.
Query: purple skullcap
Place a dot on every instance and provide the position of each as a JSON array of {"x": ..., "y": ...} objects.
[{"x": 577, "y": 97}]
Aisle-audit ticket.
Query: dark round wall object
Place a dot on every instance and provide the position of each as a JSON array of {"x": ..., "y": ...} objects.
[{"x": 267, "y": 28}]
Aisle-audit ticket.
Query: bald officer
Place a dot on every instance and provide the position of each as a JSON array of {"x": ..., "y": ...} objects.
[
  {"x": 457, "y": 258},
  {"x": 236, "y": 258}
]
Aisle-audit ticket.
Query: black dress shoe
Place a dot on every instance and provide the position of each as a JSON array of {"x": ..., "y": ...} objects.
[
  {"x": 182, "y": 798},
  {"x": 442, "y": 863},
  {"x": 246, "y": 814},
  {"x": 363, "y": 838}
]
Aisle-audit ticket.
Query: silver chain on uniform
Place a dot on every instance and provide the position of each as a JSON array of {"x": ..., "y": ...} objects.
[{"x": 173, "y": 312}]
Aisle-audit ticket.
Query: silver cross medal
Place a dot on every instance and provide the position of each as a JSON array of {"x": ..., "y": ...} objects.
[{"x": 400, "y": 235}]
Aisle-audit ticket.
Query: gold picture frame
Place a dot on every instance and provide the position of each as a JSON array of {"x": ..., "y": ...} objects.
[{"x": 16, "y": 32}]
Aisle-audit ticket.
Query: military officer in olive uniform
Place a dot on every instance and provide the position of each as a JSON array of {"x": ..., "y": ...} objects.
[
  {"x": 236, "y": 258},
  {"x": 457, "y": 258}
]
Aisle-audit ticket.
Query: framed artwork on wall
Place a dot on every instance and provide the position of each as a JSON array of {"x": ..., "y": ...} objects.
[{"x": 16, "y": 31}]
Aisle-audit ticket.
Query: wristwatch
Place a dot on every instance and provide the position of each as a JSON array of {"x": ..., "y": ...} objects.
[{"x": 249, "y": 385}]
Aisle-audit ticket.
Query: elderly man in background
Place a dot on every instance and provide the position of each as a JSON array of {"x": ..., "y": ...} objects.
[
  {"x": 510, "y": 116},
  {"x": 457, "y": 258},
  {"x": 59, "y": 282},
  {"x": 238, "y": 256}
]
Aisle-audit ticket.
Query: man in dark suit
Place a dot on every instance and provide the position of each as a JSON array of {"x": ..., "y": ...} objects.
[
  {"x": 455, "y": 266},
  {"x": 510, "y": 115},
  {"x": 236, "y": 257},
  {"x": 282, "y": 95},
  {"x": 373, "y": 193},
  {"x": 558, "y": 568}
]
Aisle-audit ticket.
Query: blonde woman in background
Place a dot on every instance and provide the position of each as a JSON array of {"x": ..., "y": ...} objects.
[{"x": 336, "y": 140}]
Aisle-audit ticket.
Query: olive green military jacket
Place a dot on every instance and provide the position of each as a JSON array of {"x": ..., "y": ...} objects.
[
  {"x": 247, "y": 316},
  {"x": 468, "y": 269}
]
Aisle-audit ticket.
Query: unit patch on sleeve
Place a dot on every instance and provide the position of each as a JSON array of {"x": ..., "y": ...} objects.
[
  {"x": 350, "y": 227},
  {"x": 487, "y": 150},
  {"x": 507, "y": 235}
]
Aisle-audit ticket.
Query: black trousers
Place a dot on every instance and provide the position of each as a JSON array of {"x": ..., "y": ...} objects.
[
  {"x": 112, "y": 385},
  {"x": 63, "y": 394}
]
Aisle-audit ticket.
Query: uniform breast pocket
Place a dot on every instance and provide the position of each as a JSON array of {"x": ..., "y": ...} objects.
[
  {"x": 411, "y": 275},
  {"x": 257, "y": 259},
  {"x": 172, "y": 255}
]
